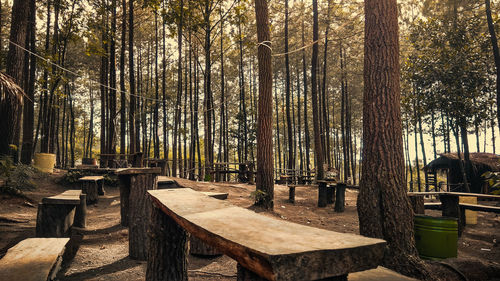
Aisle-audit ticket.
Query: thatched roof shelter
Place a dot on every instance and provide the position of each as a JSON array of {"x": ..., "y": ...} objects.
[
  {"x": 11, "y": 99},
  {"x": 480, "y": 162}
]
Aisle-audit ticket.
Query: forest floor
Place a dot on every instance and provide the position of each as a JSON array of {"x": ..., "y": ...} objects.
[{"x": 103, "y": 249}]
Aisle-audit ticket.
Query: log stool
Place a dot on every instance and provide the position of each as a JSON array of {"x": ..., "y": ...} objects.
[
  {"x": 340, "y": 198},
  {"x": 291, "y": 193},
  {"x": 93, "y": 186}
]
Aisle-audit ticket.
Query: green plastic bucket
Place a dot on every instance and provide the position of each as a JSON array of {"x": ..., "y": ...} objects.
[{"x": 436, "y": 237}]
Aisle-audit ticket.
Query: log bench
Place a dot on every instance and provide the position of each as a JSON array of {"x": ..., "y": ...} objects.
[
  {"x": 93, "y": 186},
  {"x": 57, "y": 214},
  {"x": 33, "y": 259},
  {"x": 264, "y": 247},
  {"x": 196, "y": 246}
]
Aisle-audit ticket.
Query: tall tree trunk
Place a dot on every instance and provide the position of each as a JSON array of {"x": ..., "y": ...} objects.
[
  {"x": 156, "y": 135},
  {"x": 383, "y": 206},
  {"x": 265, "y": 178},
  {"x": 291, "y": 158},
  {"x": 318, "y": 150},
  {"x": 112, "y": 82},
  {"x": 29, "y": 110},
  {"x": 10, "y": 105},
  {"x": 496, "y": 53},
  {"x": 123, "y": 99},
  {"x": 131, "y": 112},
  {"x": 326, "y": 123},
  {"x": 306, "y": 120},
  {"x": 177, "y": 119},
  {"x": 243, "y": 120}
]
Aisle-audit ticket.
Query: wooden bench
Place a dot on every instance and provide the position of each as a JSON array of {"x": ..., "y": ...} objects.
[
  {"x": 196, "y": 246},
  {"x": 93, "y": 186},
  {"x": 33, "y": 259},
  {"x": 264, "y": 247},
  {"x": 57, "y": 214}
]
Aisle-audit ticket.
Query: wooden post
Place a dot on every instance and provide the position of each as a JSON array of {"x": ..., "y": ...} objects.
[
  {"x": 168, "y": 247},
  {"x": 450, "y": 207},
  {"x": 139, "y": 211},
  {"x": 291, "y": 193},
  {"x": 340, "y": 198},
  {"x": 81, "y": 212},
  {"x": 322, "y": 194},
  {"x": 217, "y": 173},
  {"x": 124, "y": 196},
  {"x": 417, "y": 203}
]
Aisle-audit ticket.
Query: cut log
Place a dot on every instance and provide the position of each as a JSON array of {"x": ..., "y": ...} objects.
[
  {"x": 166, "y": 182},
  {"x": 124, "y": 184},
  {"x": 340, "y": 198},
  {"x": 93, "y": 186},
  {"x": 273, "y": 249},
  {"x": 291, "y": 194},
  {"x": 322, "y": 196},
  {"x": 54, "y": 220},
  {"x": 330, "y": 194},
  {"x": 81, "y": 212},
  {"x": 33, "y": 259},
  {"x": 168, "y": 248}
]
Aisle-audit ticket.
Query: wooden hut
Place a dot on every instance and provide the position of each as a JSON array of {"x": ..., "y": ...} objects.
[{"x": 449, "y": 163}]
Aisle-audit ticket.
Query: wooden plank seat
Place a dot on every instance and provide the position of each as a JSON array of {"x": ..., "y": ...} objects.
[
  {"x": 93, "y": 186},
  {"x": 33, "y": 259},
  {"x": 466, "y": 206},
  {"x": 57, "y": 214},
  {"x": 166, "y": 182},
  {"x": 196, "y": 246},
  {"x": 264, "y": 247}
]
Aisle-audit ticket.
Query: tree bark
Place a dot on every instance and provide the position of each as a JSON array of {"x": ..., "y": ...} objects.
[
  {"x": 383, "y": 206},
  {"x": 265, "y": 178},
  {"x": 496, "y": 53},
  {"x": 131, "y": 112},
  {"x": 318, "y": 149}
]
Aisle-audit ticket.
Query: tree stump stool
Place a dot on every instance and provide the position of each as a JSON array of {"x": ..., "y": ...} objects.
[
  {"x": 322, "y": 194},
  {"x": 340, "y": 198},
  {"x": 135, "y": 206},
  {"x": 93, "y": 186},
  {"x": 291, "y": 193}
]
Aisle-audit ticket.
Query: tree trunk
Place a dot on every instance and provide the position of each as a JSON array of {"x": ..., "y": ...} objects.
[
  {"x": 291, "y": 159},
  {"x": 10, "y": 105},
  {"x": 131, "y": 112},
  {"x": 383, "y": 206},
  {"x": 123, "y": 99},
  {"x": 265, "y": 178},
  {"x": 306, "y": 120},
  {"x": 318, "y": 149},
  {"x": 496, "y": 53}
]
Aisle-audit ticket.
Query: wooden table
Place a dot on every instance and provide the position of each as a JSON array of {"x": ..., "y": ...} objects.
[
  {"x": 135, "y": 207},
  {"x": 264, "y": 247}
]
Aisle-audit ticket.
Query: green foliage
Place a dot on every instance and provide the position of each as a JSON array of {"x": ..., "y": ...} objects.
[
  {"x": 493, "y": 180},
  {"x": 18, "y": 178},
  {"x": 258, "y": 195}
]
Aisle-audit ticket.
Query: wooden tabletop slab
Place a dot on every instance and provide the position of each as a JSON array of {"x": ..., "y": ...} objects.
[
  {"x": 135, "y": 171},
  {"x": 273, "y": 248},
  {"x": 67, "y": 197},
  {"x": 91, "y": 178},
  {"x": 163, "y": 179},
  {"x": 32, "y": 259}
]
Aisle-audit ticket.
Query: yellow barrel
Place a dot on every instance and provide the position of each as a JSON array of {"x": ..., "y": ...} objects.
[{"x": 45, "y": 162}]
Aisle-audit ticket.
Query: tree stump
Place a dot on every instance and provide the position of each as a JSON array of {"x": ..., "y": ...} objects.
[
  {"x": 450, "y": 207},
  {"x": 54, "y": 220},
  {"x": 100, "y": 187},
  {"x": 340, "y": 198},
  {"x": 330, "y": 194},
  {"x": 81, "y": 212},
  {"x": 124, "y": 183},
  {"x": 91, "y": 189},
  {"x": 322, "y": 196},
  {"x": 168, "y": 248},
  {"x": 139, "y": 211},
  {"x": 291, "y": 193},
  {"x": 417, "y": 203}
]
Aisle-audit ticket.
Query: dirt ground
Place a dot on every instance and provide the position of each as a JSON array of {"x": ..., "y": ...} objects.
[{"x": 103, "y": 245}]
